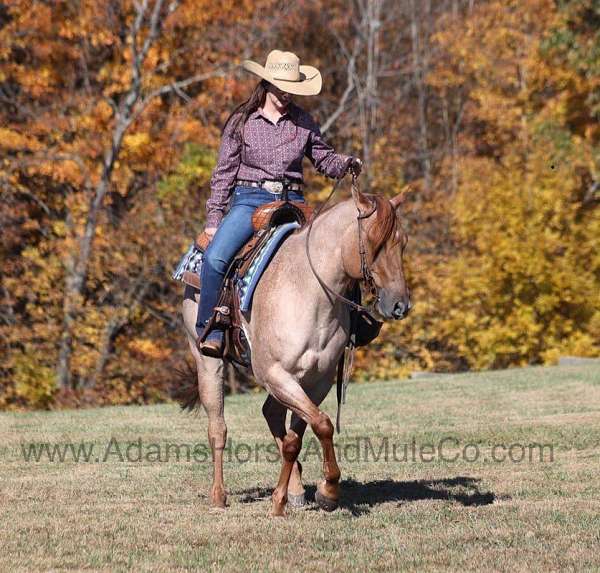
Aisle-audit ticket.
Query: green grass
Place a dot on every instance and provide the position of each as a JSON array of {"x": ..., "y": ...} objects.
[{"x": 395, "y": 514}]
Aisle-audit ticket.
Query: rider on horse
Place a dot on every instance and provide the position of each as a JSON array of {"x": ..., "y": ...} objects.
[{"x": 260, "y": 159}]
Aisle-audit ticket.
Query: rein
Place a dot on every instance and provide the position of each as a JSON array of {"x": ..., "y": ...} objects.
[{"x": 364, "y": 267}]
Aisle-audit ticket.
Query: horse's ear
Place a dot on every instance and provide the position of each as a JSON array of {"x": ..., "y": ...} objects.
[
  {"x": 401, "y": 197},
  {"x": 363, "y": 203}
]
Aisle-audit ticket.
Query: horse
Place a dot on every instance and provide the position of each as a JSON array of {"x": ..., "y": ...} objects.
[{"x": 297, "y": 330}]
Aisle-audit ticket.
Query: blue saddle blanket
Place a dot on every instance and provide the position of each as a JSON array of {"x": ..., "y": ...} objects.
[{"x": 248, "y": 282}]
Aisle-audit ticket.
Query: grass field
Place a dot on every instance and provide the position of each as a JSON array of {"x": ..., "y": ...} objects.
[{"x": 415, "y": 512}]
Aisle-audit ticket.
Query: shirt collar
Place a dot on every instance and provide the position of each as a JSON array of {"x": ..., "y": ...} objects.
[{"x": 289, "y": 113}]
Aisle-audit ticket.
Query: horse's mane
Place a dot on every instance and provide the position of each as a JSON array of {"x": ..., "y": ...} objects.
[{"x": 384, "y": 226}]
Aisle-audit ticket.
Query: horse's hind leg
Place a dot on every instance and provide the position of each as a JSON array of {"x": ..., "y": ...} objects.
[
  {"x": 211, "y": 391},
  {"x": 275, "y": 414},
  {"x": 287, "y": 391},
  {"x": 211, "y": 388}
]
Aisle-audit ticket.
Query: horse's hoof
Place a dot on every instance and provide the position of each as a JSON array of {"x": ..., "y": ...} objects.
[
  {"x": 296, "y": 501},
  {"x": 278, "y": 510},
  {"x": 218, "y": 503},
  {"x": 326, "y": 503}
]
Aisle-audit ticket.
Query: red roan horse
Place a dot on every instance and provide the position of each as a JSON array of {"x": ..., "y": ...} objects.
[{"x": 297, "y": 332}]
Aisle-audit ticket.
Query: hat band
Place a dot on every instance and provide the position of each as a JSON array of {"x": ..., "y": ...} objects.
[{"x": 284, "y": 71}]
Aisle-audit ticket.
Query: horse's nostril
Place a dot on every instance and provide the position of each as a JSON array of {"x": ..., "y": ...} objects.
[{"x": 399, "y": 310}]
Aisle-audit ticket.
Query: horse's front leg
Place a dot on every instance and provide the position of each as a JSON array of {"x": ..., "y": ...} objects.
[
  {"x": 328, "y": 490},
  {"x": 288, "y": 392},
  {"x": 291, "y": 444},
  {"x": 211, "y": 389}
]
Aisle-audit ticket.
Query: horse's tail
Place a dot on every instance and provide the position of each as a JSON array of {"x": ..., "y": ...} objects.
[{"x": 185, "y": 387}]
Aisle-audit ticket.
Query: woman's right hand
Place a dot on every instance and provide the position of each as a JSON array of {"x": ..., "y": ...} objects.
[{"x": 205, "y": 237}]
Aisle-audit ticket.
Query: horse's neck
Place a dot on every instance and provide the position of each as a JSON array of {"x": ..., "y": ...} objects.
[{"x": 329, "y": 232}]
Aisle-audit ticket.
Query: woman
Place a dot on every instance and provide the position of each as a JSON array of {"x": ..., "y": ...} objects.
[{"x": 263, "y": 144}]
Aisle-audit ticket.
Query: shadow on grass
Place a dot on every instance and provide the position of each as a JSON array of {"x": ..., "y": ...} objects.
[{"x": 359, "y": 497}]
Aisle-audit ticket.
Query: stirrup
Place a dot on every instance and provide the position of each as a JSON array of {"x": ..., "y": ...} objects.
[{"x": 212, "y": 348}]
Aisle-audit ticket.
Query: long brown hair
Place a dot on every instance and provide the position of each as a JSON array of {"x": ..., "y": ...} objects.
[{"x": 241, "y": 113}]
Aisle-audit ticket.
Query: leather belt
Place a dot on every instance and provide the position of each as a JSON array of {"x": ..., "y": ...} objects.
[{"x": 271, "y": 185}]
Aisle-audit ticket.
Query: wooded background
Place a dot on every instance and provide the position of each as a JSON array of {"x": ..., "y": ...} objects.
[{"x": 110, "y": 117}]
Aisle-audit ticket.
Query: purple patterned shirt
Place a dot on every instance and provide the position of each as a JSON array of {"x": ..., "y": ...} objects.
[{"x": 269, "y": 151}]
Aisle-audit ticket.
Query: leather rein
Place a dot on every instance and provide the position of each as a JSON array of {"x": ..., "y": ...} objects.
[{"x": 367, "y": 276}]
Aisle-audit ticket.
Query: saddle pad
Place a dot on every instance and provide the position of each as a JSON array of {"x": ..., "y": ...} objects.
[
  {"x": 190, "y": 262},
  {"x": 248, "y": 282}
]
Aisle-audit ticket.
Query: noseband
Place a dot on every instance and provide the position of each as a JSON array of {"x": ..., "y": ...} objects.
[{"x": 367, "y": 275}]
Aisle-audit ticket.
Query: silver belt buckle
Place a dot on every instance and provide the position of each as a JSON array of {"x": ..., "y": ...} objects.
[{"x": 273, "y": 186}]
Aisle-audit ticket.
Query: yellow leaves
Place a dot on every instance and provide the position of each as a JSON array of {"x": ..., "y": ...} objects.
[
  {"x": 61, "y": 171},
  {"x": 187, "y": 130},
  {"x": 136, "y": 143},
  {"x": 116, "y": 76},
  {"x": 516, "y": 292},
  {"x": 32, "y": 254},
  {"x": 103, "y": 112},
  {"x": 153, "y": 58},
  {"x": 67, "y": 172},
  {"x": 148, "y": 349},
  {"x": 59, "y": 228},
  {"x": 137, "y": 149},
  {"x": 33, "y": 382},
  {"x": 15, "y": 141},
  {"x": 102, "y": 38},
  {"x": 37, "y": 81}
]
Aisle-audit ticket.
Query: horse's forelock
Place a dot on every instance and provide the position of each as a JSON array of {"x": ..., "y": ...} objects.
[{"x": 384, "y": 226}]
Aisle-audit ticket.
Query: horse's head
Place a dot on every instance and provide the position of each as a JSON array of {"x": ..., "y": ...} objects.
[{"x": 383, "y": 241}]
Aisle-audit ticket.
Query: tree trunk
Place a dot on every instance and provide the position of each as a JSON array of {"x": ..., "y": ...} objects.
[
  {"x": 420, "y": 63},
  {"x": 372, "y": 24}
]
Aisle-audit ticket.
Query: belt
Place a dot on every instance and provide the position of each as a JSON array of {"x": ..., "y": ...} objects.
[{"x": 271, "y": 185}]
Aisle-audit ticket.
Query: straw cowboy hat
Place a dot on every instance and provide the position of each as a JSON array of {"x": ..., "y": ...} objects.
[{"x": 284, "y": 71}]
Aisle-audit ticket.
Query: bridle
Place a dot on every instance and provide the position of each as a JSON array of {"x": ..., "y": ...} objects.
[{"x": 367, "y": 275}]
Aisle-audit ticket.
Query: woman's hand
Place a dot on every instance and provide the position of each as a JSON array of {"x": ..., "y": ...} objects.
[
  {"x": 355, "y": 166},
  {"x": 210, "y": 232},
  {"x": 205, "y": 237}
]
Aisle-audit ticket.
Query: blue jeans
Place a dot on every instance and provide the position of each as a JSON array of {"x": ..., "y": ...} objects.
[{"x": 233, "y": 232}]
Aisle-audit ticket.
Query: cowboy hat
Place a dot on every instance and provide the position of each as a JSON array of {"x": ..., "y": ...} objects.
[{"x": 284, "y": 71}]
